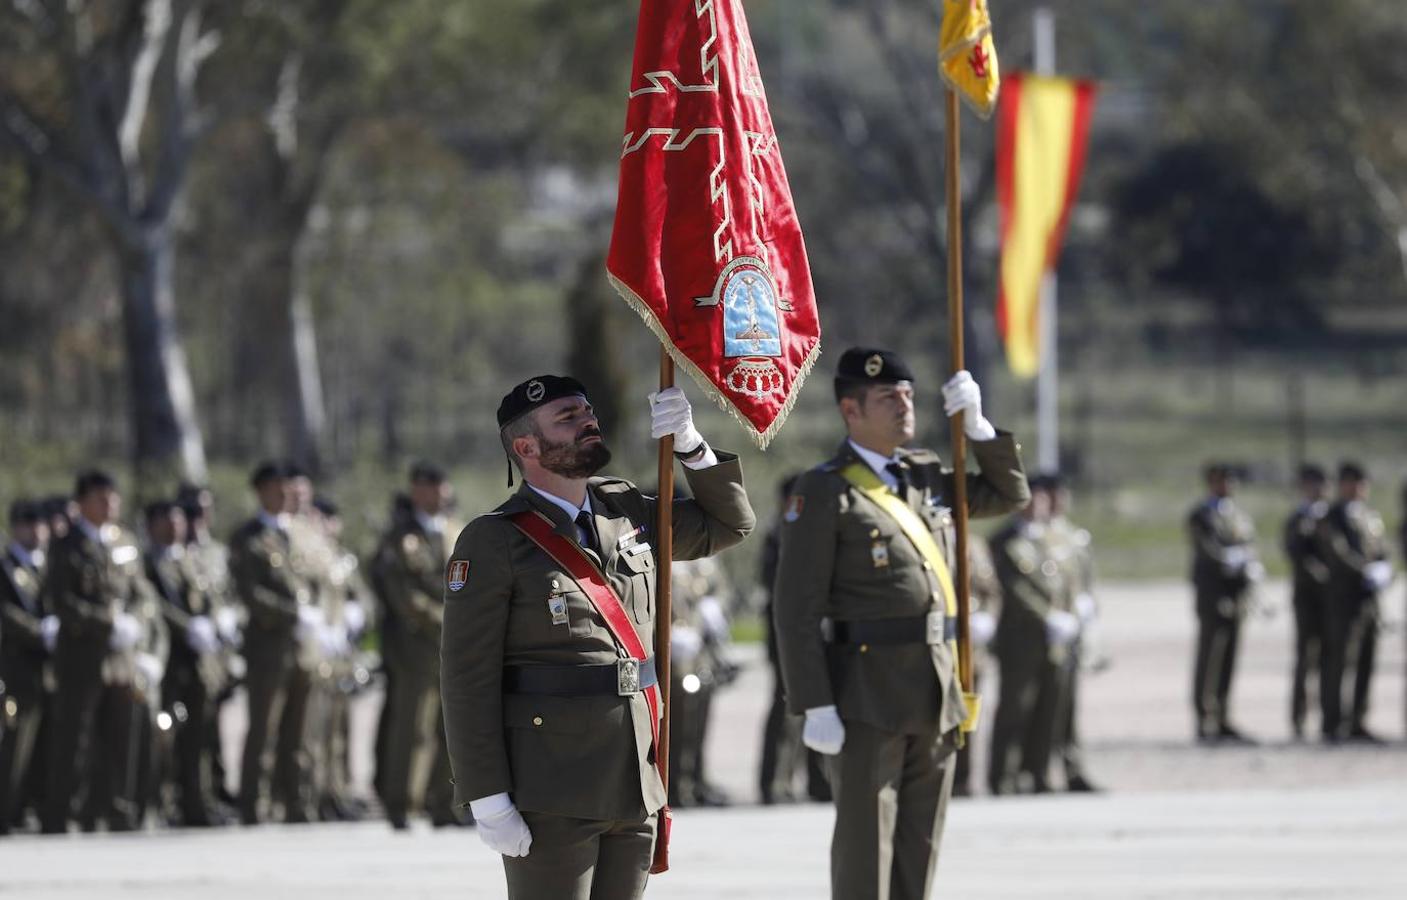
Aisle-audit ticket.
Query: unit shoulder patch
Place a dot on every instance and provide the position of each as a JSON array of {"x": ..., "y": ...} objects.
[{"x": 457, "y": 574}]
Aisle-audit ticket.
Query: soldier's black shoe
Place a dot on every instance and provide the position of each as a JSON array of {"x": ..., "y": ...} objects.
[
  {"x": 1360, "y": 735},
  {"x": 708, "y": 795},
  {"x": 398, "y": 822},
  {"x": 1082, "y": 785},
  {"x": 1229, "y": 735}
]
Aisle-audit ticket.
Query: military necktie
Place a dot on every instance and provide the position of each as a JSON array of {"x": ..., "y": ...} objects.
[
  {"x": 588, "y": 528},
  {"x": 901, "y": 479}
]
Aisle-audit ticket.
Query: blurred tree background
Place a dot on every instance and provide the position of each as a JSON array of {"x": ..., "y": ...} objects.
[{"x": 339, "y": 229}]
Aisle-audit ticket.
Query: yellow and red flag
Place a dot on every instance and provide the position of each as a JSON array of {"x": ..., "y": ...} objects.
[
  {"x": 967, "y": 57},
  {"x": 707, "y": 247},
  {"x": 1042, "y": 134}
]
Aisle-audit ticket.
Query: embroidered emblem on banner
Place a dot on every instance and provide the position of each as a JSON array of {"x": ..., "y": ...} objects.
[{"x": 458, "y": 574}]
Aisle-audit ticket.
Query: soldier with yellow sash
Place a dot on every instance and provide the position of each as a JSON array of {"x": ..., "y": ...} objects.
[{"x": 865, "y": 619}]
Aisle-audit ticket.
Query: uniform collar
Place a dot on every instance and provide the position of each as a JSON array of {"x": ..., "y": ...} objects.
[
  {"x": 90, "y": 531},
  {"x": 566, "y": 506},
  {"x": 877, "y": 461},
  {"x": 279, "y": 522},
  {"x": 24, "y": 557},
  {"x": 430, "y": 524}
]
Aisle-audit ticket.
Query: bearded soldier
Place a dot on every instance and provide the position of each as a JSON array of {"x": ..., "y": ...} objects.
[
  {"x": 866, "y": 619},
  {"x": 547, "y": 669}
]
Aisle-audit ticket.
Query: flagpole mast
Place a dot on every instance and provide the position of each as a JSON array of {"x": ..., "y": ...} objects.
[
  {"x": 664, "y": 614},
  {"x": 1048, "y": 378},
  {"x": 955, "y": 346}
]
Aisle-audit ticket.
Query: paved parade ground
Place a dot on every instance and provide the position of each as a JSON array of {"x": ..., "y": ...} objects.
[{"x": 1281, "y": 819}]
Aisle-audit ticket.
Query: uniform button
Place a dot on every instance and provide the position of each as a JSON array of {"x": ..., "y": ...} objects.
[
  {"x": 926, "y": 566},
  {"x": 864, "y": 648},
  {"x": 537, "y": 720}
]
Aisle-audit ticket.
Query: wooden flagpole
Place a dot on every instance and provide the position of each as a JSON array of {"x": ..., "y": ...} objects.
[
  {"x": 664, "y": 613},
  {"x": 955, "y": 345}
]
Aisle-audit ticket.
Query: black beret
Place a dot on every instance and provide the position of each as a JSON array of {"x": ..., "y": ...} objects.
[
  {"x": 93, "y": 480},
  {"x": 159, "y": 508},
  {"x": 1311, "y": 472},
  {"x": 267, "y": 471},
  {"x": 868, "y": 364},
  {"x": 327, "y": 507},
  {"x": 1217, "y": 470},
  {"x": 26, "y": 512},
  {"x": 1352, "y": 471},
  {"x": 536, "y": 392},
  {"x": 426, "y": 473},
  {"x": 1047, "y": 481}
]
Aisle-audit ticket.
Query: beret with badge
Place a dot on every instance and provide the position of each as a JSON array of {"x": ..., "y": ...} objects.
[
  {"x": 532, "y": 394},
  {"x": 869, "y": 365}
]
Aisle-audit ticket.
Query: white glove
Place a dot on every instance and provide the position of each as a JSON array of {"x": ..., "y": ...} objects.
[
  {"x": 715, "y": 621},
  {"x": 1378, "y": 575},
  {"x": 670, "y": 413},
  {"x": 1085, "y": 607},
  {"x": 150, "y": 666},
  {"x": 501, "y": 826},
  {"x": 333, "y": 640},
  {"x": 1234, "y": 559},
  {"x": 685, "y": 642},
  {"x": 823, "y": 731},
  {"x": 1254, "y": 570},
  {"x": 982, "y": 627},
  {"x": 201, "y": 635},
  {"x": 311, "y": 620},
  {"x": 49, "y": 632},
  {"x": 355, "y": 619},
  {"x": 126, "y": 631},
  {"x": 227, "y": 623},
  {"x": 961, "y": 394},
  {"x": 1061, "y": 627}
]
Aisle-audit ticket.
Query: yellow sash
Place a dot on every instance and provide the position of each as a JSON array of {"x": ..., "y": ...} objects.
[{"x": 868, "y": 483}]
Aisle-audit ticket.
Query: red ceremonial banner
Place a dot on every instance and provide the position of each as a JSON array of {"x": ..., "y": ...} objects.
[{"x": 707, "y": 247}]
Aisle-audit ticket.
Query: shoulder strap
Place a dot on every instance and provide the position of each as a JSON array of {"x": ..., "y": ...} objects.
[{"x": 863, "y": 478}]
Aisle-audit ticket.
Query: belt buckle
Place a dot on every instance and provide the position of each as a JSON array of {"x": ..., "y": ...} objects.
[
  {"x": 935, "y": 627},
  {"x": 627, "y": 677}
]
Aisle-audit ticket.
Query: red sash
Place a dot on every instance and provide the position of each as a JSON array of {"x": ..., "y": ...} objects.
[{"x": 570, "y": 556}]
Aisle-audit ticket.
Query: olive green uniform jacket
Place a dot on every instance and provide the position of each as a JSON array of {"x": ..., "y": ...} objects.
[
  {"x": 587, "y": 757},
  {"x": 844, "y": 559}
]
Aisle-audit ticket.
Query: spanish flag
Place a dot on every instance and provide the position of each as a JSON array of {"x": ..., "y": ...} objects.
[
  {"x": 1041, "y": 139},
  {"x": 966, "y": 55}
]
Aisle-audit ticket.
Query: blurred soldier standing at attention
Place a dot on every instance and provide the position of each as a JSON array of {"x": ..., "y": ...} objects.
[
  {"x": 272, "y": 581},
  {"x": 986, "y": 595},
  {"x": 211, "y": 559},
  {"x": 547, "y": 668},
  {"x": 27, "y": 636},
  {"x": 1225, "y": 568},
  {"x": 866, "y": 550},
  {"x": 409, "y": 573},
  {"x": 194, "y": 672},
  {"x": 1309, "y": 577},
  {"x": 1034, "y": 642},
  {"x": 700, "y": 638},
  {"x": 1353, "y": 544},
  {"x": 109, "y": 658},
  {"x": 1070, "y": 547}
]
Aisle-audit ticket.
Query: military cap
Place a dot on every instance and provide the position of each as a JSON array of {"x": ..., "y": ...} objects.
[
  {"x": 1311, "y": 472},
  {"x": 536, "y": 392},
  {"x": 1217, "y": 470},
  {"x": 424, "y": 472},
  {"x": 874, "y": 365},
  {"x": 327, "y": 507},
  {"x": 267, "y": 471},
  {"x": 1047, "y": 481},
  {"x": 159, "y": 508},
  {"x": 26, "y": 512},
  {"x": 93, "y": 480},
  {"x": 1352, "y": 471}
]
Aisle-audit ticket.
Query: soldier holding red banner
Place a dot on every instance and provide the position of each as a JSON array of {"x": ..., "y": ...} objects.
[{"x": 547, "y": 670}]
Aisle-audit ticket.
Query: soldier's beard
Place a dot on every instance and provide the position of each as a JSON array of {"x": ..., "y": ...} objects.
[{"x": 571, "y": 459}]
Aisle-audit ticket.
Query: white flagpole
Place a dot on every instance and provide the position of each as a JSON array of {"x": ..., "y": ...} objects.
[{"x": 1048, "y": 379}]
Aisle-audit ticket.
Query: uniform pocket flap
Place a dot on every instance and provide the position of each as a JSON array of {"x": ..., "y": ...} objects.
[
  {"x": 641, "y": 561},
  {"x": 542, "y": 712}
]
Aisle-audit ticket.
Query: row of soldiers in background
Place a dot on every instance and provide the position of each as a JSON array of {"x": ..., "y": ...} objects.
[
  {"x": 1338, "y": 550},
  {"x": 115, "y": 658}
]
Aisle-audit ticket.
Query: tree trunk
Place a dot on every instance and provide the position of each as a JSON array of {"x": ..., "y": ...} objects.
[{"x": 167, "y": 442}]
